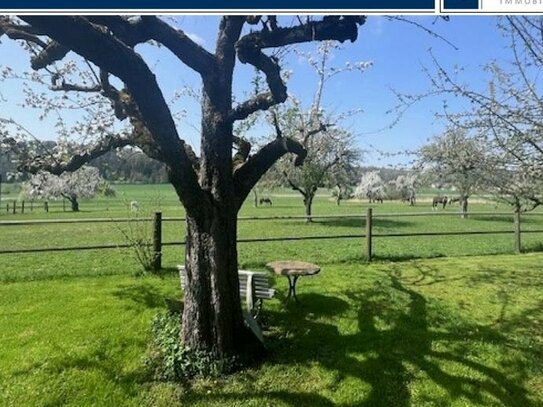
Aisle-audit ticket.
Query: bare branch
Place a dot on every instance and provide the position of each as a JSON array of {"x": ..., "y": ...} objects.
[
  {"x": 250, "y": 46},
  {"x": 50, "y": 54},
  {"x": 425, "y": 29},
  {"x": 190, "y": 53},
  {"x": 247, "y": 175},
  {"x": 20, "y": 32},
  {"x": 69, "y": 87}
]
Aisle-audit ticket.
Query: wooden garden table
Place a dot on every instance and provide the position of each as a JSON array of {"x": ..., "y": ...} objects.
[{"x": 293, "y": 270}]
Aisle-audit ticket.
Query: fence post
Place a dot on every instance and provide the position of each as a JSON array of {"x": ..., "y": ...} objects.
[
  {"x": 64, "y": 205},
  {"x": 157, "y": 241},
  {"x": 46, "y": 206},
  {"x": 14, "y": 207},
  {"x": 368, "y": 234},
  {"x": 7, "y": 207},
  {"x": 22, "y": 207},
  {"x": 516, "y": 222}
]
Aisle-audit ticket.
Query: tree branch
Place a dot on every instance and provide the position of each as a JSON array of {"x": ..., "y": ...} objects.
[
  {"x": 76, "y": 161},
  {"x": 70, "y": 87},
  {"x": 20, "y": 32},
  {"x": 190, "y": 53},
  {"x": 247, "y": 175},
  {"x": 50, "y": 54},
  {"x": 112, "y": 55},
  {"x": 293, "y": 185},
  {"x": 249, "y": 49}
]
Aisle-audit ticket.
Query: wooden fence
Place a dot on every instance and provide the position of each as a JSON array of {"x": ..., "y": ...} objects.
[{"x": 157, "y": 243}]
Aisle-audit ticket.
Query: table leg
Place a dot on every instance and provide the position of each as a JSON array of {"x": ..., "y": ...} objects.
[{"x": 292, "y": 288}]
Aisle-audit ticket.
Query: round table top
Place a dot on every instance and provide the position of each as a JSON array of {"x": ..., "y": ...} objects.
[{"x": 293, "y": 268}]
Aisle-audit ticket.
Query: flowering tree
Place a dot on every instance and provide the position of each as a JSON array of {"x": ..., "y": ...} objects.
[
  {"x": 371, "y": 186},
  {"x": 407, "y": 185},
  {"x": 342, "y": 182},
  {"x": 211, "y": 185},
  {"x": 329, "y": 147},
  {"x": 456, "y": 159},
  {"x": 506, "y": 116},
  {"x": 86, "y": 182},
  {"x": 516, "y": 186}
]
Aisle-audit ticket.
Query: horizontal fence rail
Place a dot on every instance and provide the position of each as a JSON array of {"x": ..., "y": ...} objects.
[
  {"x": 158, "y": 220},
  {"x": 257, "y": 218}
]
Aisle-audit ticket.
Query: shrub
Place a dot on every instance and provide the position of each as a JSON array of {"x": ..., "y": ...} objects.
[
  {"x": 137, "y": 233},
  {"x": 169, "y": 360}
]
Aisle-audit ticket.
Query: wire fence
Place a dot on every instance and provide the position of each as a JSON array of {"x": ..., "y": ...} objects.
[{"x": 367, "y": 233}]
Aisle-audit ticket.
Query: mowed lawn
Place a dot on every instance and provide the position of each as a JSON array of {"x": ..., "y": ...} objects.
[
  {"x": 413, "y": 328},
  {"x": 456, "y": 331}
]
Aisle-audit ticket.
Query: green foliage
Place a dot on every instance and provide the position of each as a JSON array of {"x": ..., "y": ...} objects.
[{"x": 169, "y": 360}]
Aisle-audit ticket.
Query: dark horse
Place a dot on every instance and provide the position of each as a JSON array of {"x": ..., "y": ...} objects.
[
  {"x": 266, "y": 201},
  {"x": 454, "y": 199},
  {"x": 439, "y": 200}
]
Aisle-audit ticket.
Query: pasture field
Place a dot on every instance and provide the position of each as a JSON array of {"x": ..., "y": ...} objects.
[
  {"x": 413, "y": 328},
  {"x": 253, "y": 255}
]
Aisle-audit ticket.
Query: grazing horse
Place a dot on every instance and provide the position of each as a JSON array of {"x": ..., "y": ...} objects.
[
  {"x": 453, "y": 200},
  {"x": 266, "y": 201},
  {"x": 439, "y": 200},
  {"x": 411, "y": 199}
]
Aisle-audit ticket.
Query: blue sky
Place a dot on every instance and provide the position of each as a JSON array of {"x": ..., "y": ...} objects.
[{"x": 399, "y": 52}]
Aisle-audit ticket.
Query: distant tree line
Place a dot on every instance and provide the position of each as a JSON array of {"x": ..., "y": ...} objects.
[{"x": 131, "y": 166}]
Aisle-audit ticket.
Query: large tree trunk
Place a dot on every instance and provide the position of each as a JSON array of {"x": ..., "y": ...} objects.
[{"x": 212, "y": 315}]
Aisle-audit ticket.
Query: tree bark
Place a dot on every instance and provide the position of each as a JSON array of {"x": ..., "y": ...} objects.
[
  {"x": 212, "y": 316},
  {"x": 255, "y": 196},
  {"x": 308, "y": 202},
  {"x": 73, "y": 202},
  {"x": 464, "y": 203}
]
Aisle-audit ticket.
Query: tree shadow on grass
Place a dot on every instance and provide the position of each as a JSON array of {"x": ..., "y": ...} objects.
[
  {"x": 359, "y": 223},
  {"x": 533, "y": 247},
  {"x": 403, "y": 339},
  {"x": 525, "y": 277},
  {"x": 505, "y": 219},
  {"x": 143, "y": 295}
]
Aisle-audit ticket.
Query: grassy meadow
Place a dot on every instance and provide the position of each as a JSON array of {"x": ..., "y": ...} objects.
[{"x": 433, "y": 321}]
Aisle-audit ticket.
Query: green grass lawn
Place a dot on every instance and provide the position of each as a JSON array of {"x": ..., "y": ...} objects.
[
  {"x": 411, "y": 329},
  {"x": 462, "y": 331}
]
